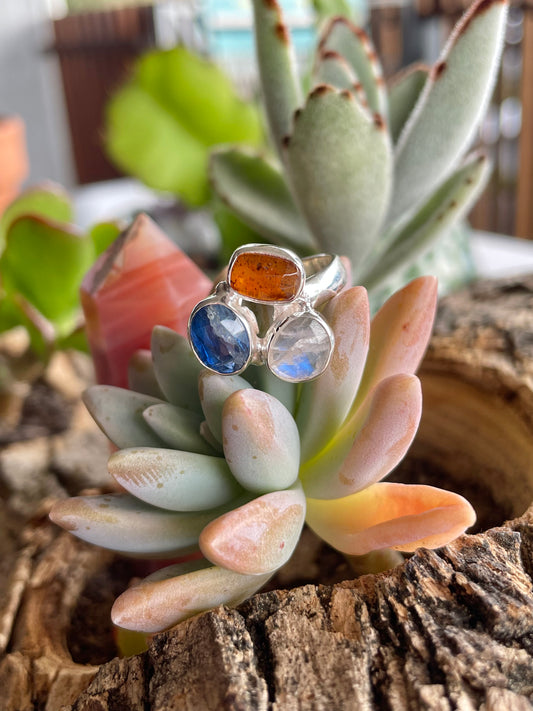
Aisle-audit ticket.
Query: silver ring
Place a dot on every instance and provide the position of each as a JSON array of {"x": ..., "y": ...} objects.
[{"x": 264, "y": 313}]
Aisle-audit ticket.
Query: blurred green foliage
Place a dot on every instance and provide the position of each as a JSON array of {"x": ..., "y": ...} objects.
[
  {"x": 43, "y": 260},
  {"x": 163, "y": 122}
]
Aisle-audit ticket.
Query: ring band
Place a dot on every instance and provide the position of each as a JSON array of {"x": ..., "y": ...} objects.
[{"x": 296, "y": 342}]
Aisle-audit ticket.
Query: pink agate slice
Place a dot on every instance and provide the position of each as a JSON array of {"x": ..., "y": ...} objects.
[{"x": 141, "y": 281}]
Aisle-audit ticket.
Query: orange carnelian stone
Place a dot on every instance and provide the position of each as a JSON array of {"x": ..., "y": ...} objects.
[{"x": 265, "y": 277}]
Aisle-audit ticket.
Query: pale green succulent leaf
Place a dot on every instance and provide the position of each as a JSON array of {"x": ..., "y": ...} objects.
[
  {"x": 125, "y": 524},
  {"x": 214, "y": 390},
  {"x": 172, "y": 479},
  {"x": 262, "y": 378},
  {"x": 176, "y": 368},
  {"x": 404, "y": 91},
  {"x": 351, "y": 42},
  {"x": 343, "y": 200},
  {"x": 256, "y": 191},
  {"x": 177, "y": 427},
  {"x": 377, "y": 440},
  {"x": 448, "y": 204},
  {"x": 450, "y": 107},
  {"x": 178, "y": 592},
  {"x": 325, "y": 401},
  {"x": 119, "y": 414},
  {"x": 332, "y": 68},
  {"x": 141, "y": 375},
  {"x": 261, "y": 441},
  {"x": 277, "y": 68},
  {"x": 259, "y": 537}
]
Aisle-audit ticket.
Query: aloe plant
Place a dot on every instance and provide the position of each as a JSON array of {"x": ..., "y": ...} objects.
[
  {"x": 377, "y": 172},
  {"x": 234, "y": 471}
]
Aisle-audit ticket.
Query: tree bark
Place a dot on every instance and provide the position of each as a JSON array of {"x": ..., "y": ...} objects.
[{"x": 448, "y": 629}]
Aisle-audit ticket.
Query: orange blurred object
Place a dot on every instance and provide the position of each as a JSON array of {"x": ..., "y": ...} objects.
[{"x": 14, "y": 164}]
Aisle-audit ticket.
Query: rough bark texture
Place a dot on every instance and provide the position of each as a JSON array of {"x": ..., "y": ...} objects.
[{"x": 449, "y": 629}]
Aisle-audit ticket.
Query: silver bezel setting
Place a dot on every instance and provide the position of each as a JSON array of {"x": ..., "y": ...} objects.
[{"x": 321, "y": 277}]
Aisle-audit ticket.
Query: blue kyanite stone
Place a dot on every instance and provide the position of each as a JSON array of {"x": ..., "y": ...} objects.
[{"x": 220, "y": 339}]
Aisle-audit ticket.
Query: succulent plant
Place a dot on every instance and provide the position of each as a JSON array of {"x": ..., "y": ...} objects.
[
  {"x": 43, "y": 258},
  {"x": 211, "y": 463},
  {"x": 376, "y": 172}
]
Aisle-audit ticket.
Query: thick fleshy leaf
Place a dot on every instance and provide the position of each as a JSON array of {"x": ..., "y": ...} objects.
[
  {"x": 119, "y": 414},
  {"x": 260, "y": 536},
  {"x": 399, "y": 333},
  {"x": 332, "y": 68},
  {"x": 177, "y": 427},
  {"x": 399, "y": 516},
  {"x": 449, "y": 204},
  {"x": 352, "y": 43},
  {"x": 180, "y": 591},
  {"x": 44, "y": 262},
  {"x": 325, "y": 402},
  {"x": 176, "y": 368},
  {"x": 214, "y": 390},
  {"x": 404, "y": 90},
  {"x": 179, "y": 481},
  {"x": 343, "y": 200},
  {"x": 123, "y": 523},
  {"x": 387, "y": 423},
  {"x": 123, "y": 302},
  {"x": 450, "y": 108},
  {"x": 141, "y": 375},
  {"x": 161, "y": 124},
  {"x": 256, "y": 191},
  {"x": 329, "y": 8},
  {"x": 48, "y": 200},
  {"x": 262, "y": 378},
  {"x": 277, "y": 68},
  {"x": 103, "y": 234},
  {"x": 261, "y": 441}
]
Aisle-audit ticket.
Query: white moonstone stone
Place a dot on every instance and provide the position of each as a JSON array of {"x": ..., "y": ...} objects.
[{"x": 300, "y": 349}]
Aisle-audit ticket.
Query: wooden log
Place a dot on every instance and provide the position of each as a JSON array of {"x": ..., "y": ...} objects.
[{"x": 448, "y": 629}]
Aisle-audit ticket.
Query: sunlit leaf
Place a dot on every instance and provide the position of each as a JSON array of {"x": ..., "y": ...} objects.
[
  {"x": 399, "y": 516},
  {"x": 175, "y": 480},
  {"x": 162, "y": 123},
  {"x": 180, "y": 591},
  {"x": 260, "y": 536}
]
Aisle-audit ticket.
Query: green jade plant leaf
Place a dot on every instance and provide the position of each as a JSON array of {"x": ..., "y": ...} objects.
[
  {"x": 377, "y": 173},
  {"x": 162, "y": 123},
  {"x": 216, "y": 464},
  {"x": 43, "y": 260}
]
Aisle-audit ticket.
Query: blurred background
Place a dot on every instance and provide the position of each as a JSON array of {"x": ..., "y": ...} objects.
[{"x": 62, "y": 60}]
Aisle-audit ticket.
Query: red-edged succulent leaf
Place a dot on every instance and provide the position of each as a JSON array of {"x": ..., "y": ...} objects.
[{"x": 386, "y": 515}]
